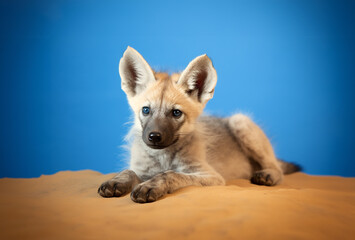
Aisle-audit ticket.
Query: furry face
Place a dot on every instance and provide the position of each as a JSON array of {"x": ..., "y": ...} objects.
[
  {"x": 171, "y": 113},
  {"x": 166, "y": 107}
]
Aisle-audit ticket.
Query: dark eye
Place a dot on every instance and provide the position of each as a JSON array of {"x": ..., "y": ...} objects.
[
  {"x": 177, "y": 113},
  {"x": 145, "y": 110}
]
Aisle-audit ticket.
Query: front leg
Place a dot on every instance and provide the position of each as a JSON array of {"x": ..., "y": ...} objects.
[
  {"x": 170, "y": 181},
  {"x": 119, "y": 185}
]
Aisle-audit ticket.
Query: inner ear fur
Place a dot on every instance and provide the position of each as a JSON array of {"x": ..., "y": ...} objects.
[
  {"x": 135, "y": 73},
  {"x": 199, "y": 79}
]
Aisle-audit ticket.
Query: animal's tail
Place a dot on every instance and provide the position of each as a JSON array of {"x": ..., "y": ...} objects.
[{"x": 288, "y": 168}]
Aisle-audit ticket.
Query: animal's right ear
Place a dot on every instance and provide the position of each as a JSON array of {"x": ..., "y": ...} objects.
[{"x": 135, "y": 73}]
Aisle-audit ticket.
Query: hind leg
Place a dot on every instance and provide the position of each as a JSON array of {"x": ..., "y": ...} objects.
[{"x": 257, "y": 146}]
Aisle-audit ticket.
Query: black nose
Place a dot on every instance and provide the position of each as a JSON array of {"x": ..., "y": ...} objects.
[{"x": 154, "y": 137}]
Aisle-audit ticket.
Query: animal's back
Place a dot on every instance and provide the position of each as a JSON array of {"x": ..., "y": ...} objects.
[{"x": 222, "y": 149}]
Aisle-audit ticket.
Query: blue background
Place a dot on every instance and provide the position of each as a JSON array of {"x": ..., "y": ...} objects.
[{"x": 290, "y": 64}]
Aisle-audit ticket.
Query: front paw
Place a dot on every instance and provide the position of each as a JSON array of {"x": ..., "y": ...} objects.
[
  {"x": 114, "y": 188},
  {"x": 267, "y": 177},
  {"x": 147, "y": 192}
]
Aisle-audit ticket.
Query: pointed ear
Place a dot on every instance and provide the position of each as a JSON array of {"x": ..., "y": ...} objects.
[
  {"x": 199, "y": 79},
  {"x": 135, "y": 73}
]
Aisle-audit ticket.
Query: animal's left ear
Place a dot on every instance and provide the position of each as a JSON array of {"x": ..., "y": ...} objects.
[{"x": 199, "y": 79}]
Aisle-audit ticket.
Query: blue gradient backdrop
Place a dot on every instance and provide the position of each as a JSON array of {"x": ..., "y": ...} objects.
[{"x": 290, "y": 64}]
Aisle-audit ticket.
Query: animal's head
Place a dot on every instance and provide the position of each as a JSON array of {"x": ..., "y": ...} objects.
[{"x": 166, "y": 107}]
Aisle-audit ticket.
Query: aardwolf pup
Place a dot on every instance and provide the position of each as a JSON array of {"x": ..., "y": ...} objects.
[{"x": 174, "y": 146}]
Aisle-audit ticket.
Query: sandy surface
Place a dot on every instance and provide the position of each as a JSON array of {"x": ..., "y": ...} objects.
[{"x": 66, "y": 206}]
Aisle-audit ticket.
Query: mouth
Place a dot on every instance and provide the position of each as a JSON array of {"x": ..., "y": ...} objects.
[{"x": 158, "y": 146}]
